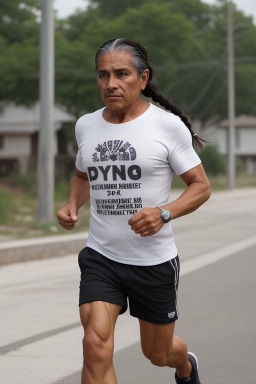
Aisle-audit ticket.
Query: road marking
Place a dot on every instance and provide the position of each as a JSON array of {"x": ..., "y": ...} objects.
[
  {"x": 212, "y": 257},
  {"x": 40, "y": 336}
]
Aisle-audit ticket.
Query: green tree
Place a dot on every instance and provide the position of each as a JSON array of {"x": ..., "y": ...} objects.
[
  {"x": 111, "y": 9},
  {"x": 186, "y": 41},
  {"x": 201, "y": 84},
  {"x": 18, "y": 19},
  {"x": 75, "y": 81},
  {"x": 19, "y": 72},
  {"x": 245, "y": 89},
  {"x": 133, "y": 24},
  {"x": 195, "y": 10},
  {"x": 19, "y": 45}
]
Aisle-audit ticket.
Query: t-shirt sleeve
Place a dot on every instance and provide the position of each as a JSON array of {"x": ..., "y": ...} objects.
[
  {"x": 182, "y": 155},
  {"x": 79, "y": 163}
]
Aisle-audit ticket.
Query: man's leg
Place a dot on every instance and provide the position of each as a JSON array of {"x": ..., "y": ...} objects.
[
  {"x": 98, "y": 319},
  {"x": 162, "y": 348}
]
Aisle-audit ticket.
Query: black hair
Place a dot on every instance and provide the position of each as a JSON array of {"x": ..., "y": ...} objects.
[{"x": 141, "y": 63}]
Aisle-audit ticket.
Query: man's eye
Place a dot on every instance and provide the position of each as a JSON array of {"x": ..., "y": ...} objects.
[
  {"x": 122, "y": 74},
  {"x": 101, "y": 75}
]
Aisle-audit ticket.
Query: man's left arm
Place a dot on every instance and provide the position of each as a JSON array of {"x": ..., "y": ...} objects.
[{"x": 148, "y": 221}]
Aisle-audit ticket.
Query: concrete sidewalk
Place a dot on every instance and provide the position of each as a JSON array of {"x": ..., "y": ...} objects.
[{"x": 16, "y": 251}]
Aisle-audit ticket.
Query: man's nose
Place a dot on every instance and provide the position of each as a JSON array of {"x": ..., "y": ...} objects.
[{"x": 111, "y": 83}]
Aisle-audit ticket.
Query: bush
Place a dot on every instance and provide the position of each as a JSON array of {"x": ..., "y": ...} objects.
[{"x": 214, "y": 163}]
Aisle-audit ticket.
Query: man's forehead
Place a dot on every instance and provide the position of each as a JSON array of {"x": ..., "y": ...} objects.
[{"x": 115, "y": 60}]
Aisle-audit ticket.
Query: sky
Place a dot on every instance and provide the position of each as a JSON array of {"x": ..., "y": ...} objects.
[{"x": 66, "y": 7}]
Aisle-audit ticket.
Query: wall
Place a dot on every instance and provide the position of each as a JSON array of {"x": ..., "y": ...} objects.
[{"x": 15, "y": 146}]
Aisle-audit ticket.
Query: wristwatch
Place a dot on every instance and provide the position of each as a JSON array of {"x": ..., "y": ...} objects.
[{"x": 165, "y": 215}]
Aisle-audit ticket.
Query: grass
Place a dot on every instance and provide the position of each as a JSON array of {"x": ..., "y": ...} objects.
[
  {"x": 18, "y": 205},
  {"x": 21, "y": 223},
  {"x": 7, "y": 205}
]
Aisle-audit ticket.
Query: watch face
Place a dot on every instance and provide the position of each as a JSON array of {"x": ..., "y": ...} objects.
[{"x": 166, "y": 215}]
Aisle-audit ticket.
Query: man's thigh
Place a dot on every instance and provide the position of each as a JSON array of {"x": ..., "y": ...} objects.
[
  {"x": 156, "y": 337},
  {"x": 153, "y": 292},
  {"x": 100, "y": 279}
]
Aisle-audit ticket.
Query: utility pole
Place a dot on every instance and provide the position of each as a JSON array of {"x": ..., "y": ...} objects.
[
  {"x": 231, "y": 169},
  {"x": 45, "y": 165}
]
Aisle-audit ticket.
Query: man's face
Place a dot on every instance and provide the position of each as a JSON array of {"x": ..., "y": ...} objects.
[{"x": 119, "y": 85}]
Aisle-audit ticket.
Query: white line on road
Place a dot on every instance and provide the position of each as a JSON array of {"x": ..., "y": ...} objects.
[{"x": 214, "y": 256}]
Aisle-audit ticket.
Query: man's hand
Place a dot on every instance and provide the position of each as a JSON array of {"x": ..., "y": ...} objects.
[
  {"x": 146, "y": 222},
  {"x": 67, "y": 217}
]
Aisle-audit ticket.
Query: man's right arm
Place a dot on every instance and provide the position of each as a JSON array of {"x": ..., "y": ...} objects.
[{"x": 79, "y": 195}]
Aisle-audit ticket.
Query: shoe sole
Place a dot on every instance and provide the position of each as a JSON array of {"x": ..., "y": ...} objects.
[{"x": 194, "y": 356}]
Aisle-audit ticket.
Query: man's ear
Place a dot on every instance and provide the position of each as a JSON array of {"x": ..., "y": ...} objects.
[{"x": 144, "y": 78}]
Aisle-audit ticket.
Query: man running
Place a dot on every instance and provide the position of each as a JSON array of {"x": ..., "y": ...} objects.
[{"x": 128, "y": 153}]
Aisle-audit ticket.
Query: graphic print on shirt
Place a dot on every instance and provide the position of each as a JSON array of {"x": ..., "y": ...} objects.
[
  {"x": 114, "y": 150},
  {"x": 117, "y": 178}
]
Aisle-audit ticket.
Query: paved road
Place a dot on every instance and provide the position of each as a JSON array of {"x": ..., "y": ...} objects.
[{"x": 40, "y": 335}]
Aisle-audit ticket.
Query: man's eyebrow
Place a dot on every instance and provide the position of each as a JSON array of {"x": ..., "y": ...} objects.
[
  {"x": 115, "y": 70},
  {"x": 122, "y": 69}
]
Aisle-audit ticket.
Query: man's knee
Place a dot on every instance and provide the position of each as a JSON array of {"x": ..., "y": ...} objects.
[
  {"x": 157, "y": 358},
  {"x": 96, "y": 350}
]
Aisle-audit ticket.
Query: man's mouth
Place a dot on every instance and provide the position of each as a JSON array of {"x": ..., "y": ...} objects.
[{"x": 112, "y": 96}]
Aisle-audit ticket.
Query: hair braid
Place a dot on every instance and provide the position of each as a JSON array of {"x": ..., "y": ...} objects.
[
  {"x": 151, "y": 91},
  {"x": 140, "y": 60}
]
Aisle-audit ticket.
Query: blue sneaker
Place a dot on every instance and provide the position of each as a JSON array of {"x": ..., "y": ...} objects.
[{"x": 194, "y": 377}]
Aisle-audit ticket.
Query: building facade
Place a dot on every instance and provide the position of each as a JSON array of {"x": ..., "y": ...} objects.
[
  {"x": 245, "y": 139},
  {"x": 19, "y": 131}
]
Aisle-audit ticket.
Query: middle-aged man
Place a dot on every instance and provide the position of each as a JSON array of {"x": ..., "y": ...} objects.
[{"x": 128, "y": 153}]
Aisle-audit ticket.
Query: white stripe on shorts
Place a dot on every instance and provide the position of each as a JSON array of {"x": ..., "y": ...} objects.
[{"x": 175, "y": 267}]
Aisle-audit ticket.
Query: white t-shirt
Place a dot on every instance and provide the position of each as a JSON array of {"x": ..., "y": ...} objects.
[{"x": 131, "y": 166}]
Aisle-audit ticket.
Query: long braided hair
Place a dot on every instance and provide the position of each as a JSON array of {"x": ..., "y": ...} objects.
[{"x": 140, "y": 60}]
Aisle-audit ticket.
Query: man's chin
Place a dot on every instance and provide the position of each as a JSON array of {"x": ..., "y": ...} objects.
[{"x": 114, "y": 104}]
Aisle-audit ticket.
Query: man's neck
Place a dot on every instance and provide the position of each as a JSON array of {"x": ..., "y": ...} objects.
[{"x": 123, "y": 116}]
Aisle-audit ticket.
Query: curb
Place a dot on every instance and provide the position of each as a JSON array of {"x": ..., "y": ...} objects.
[{"x": 18, "y": 251}]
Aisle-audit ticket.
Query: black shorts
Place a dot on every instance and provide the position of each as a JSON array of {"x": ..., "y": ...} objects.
[{"x": 151, "y": 290}]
